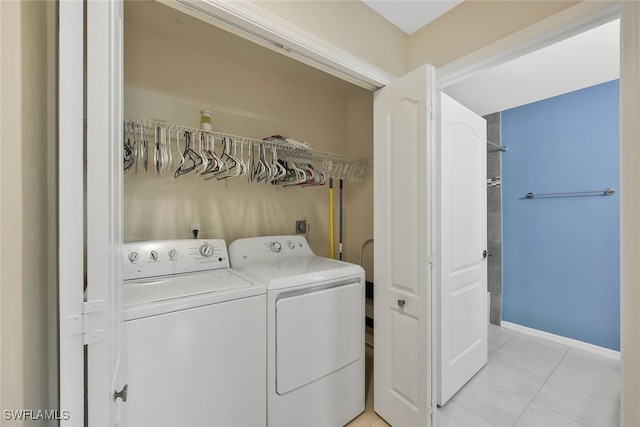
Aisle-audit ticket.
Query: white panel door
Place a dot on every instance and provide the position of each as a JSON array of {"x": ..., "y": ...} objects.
[
  {"x": 403, "y": 141},
  {"x": 462, "y": 267}
]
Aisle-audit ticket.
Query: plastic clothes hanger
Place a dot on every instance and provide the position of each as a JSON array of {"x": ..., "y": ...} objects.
[
  {"x": 227, "y": 160},
  {"x": 189, "y": 156},
  {"x": 214, "y": 163},
  {"x": 157, "y": 154},
  {"x": 145, "y": 149},
  {"x": 128, "y": 154}
]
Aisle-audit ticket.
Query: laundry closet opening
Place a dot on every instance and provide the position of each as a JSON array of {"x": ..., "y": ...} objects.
[{"x": 175, "y": 66}]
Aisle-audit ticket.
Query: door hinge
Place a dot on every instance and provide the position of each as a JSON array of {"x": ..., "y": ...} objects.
[
  {"x": 82, "y": 323},
  {"x": 431, "y": 111},
  {"x": 432, "y": 260}
]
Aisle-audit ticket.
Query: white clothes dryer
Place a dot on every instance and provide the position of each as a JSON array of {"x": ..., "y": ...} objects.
[
  {"x": 193, "y": 331},
  {"x": 315, "y": 331}
]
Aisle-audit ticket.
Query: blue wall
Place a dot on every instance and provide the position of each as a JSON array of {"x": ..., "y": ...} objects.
[{"x": 561, "y": 255}]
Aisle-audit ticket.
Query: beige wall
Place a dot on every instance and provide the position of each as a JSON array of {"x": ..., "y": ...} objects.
[
  {"x": 356, "y": 28},
  {"x": 172, "y": 71},
  {"x": 24, "y": 213},
  {"x": 350, "y": 25},
  {"x": 630, "y": 211},
  {"x": 473, "y": 25}
]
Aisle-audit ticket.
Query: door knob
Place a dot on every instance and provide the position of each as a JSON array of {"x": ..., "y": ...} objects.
[
  {"x": 485, "y": 254},
  {"x": 400, "y": 303}
]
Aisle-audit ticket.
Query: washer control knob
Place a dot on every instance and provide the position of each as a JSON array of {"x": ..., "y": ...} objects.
[
  {"x": 173, "y": 253},
  {"x": 133, "y": 257},
  {"x": 206, "y": 250},
  {"x": 153, "y": 255},
  {"x": 291, "y": 245},
  {"x": 276, "y": 247}
]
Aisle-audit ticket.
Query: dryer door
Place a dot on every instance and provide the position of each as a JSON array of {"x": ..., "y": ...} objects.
[{"x": 317, "y": 333}]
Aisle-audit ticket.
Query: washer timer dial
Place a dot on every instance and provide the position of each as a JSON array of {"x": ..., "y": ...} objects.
[
  {"x": 275, "y": 247},
  {"x": 206, "y": 250}
]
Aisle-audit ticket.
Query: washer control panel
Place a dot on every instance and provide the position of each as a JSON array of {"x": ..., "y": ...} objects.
[
  {"x": 268, "y": 248},
  {"x": 165, "y": 257}
]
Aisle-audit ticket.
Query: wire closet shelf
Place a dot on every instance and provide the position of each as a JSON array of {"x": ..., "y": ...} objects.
[{"x": 159, "y": 147}]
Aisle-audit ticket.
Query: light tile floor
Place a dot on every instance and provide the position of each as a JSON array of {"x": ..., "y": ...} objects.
[
  {"x": 368, "y": 418},
  {"x": 528, "y": 382}
]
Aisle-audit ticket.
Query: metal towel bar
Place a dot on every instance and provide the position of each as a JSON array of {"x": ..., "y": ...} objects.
[
  {"x": 605, "y": 192},
  {"x": 498, "y": 146}
]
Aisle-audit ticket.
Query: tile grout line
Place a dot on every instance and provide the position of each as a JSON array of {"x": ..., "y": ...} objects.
[
  {"x": 542, "y": 386},
  {"x": 469, "y": 409},
  {"x": 501, "y": 345}
]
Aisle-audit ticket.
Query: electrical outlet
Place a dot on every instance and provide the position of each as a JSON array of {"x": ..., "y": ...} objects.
[
  {"x": 194, "y": 230},
  {"x": 301, "y": 226}
]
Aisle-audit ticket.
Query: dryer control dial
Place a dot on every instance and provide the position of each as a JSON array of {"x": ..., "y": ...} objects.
[
  {"x": 133, "y": 257},
  {"x": 153, "y": 255},
  {"x": 173, "y": 253},
  {"x": 206, "y": 250},
  {"x": 275, "y": 247},
  {"x": 291, "y": 245}
]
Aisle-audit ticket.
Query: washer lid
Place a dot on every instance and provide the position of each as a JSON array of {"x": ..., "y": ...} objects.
[
  {"x": 299, "y": 271},
  {"x": 148, "y": 297}
]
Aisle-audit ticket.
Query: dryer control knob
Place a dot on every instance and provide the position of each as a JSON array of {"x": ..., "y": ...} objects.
[
  {"x": 153, "y": 255},
  {"x": 291, "y": 245},
  {"x": 206, "y": 250},
  {"x": 172, "y": 253},
  {"x": 276, "y": 247},
  {"x": 133, "y": 257}
]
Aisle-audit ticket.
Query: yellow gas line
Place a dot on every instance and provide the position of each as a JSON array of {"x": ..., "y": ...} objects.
[{"x": 331, "y": 250}]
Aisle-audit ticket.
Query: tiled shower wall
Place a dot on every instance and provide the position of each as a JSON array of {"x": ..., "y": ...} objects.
[{"x": 494, "y": 219}]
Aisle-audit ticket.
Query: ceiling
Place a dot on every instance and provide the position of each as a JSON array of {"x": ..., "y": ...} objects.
[
  {"x": 587, "y": 59},
  {"x": 411, "y": 15},
  {"x": 584, "y": 60}
]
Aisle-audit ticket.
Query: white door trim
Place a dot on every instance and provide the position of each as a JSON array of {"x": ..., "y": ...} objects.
[{"x": 70, "y": 209}]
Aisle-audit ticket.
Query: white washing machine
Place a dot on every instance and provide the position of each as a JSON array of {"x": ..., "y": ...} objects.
[
  {"x": 194, "y": 345},
  {"x": 315, "y": 331}
]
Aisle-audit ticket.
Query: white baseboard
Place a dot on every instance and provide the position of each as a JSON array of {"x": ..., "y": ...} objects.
[{"x": 602, "y": 351}]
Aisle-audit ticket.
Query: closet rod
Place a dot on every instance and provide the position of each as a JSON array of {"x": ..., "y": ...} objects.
[
  {"x": 605, "y": 192},
  {"x": 149, "y": 126},
  {"x": 498, "y": 146}
]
